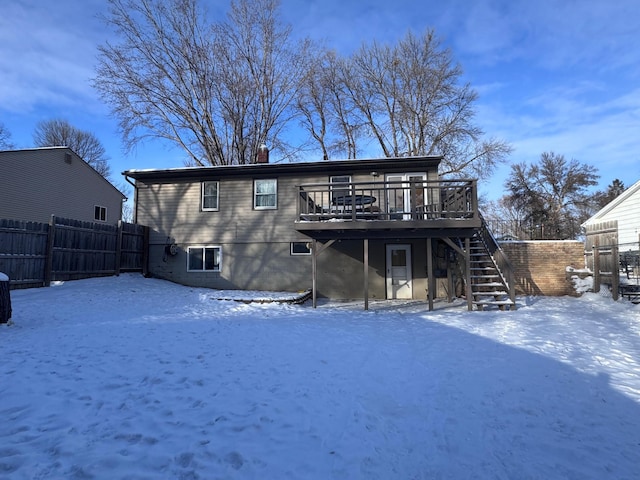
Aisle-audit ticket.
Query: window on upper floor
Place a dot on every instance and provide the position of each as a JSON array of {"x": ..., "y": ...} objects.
[
  {"x": 210, "y": 196},
  {"x": 265, "y": 194},
  {"x": 100, "y": 213},
  {"x": 340, "y": 186},
  {"x": 203, "y": 259}
]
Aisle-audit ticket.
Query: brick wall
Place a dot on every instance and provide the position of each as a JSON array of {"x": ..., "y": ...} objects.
[{"x": 540, "y": 266}]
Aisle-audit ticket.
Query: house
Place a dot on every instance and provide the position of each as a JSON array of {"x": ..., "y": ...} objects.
[
  {"x": 620, "y": 218},
  {"x": 376, "y": 228},
  {"x": 37, "y": 183}
]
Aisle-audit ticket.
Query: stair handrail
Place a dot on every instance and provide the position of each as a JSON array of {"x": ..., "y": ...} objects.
[{"x": 498, "y": 257}]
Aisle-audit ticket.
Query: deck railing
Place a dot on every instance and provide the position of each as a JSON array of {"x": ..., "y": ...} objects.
[
  {"x": 502, "y": 263},
  {"x": 388, "y": 200}
]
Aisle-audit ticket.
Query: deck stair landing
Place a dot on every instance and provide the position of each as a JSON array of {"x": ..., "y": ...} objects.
[{"x": 489, "y": 285}]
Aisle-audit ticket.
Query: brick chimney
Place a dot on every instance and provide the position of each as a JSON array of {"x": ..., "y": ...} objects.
[{"x": 263, "y": 154}]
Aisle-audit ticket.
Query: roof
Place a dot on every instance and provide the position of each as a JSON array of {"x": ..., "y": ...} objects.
[
  {"x": 613, "y": 203},
  {"x": 325, "y": 166}
]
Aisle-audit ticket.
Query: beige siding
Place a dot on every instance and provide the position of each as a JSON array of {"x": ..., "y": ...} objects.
[
  {"x": 255, "y": 244},
  {"x": 38, "y": 183},
  {"x": 173, "y": 212},
  {"x": 269, "y": 266}
]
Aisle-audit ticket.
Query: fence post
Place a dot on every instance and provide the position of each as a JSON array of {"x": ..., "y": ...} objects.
[
  {"x": 596, "y": 268},
  {"x": 119, "y": 248},
  {"x": 5, "y": 299},
  {"x": 615, "y": 272},
  {"x": 145, "y": 252},
  {"x": 48, "y": 264}
]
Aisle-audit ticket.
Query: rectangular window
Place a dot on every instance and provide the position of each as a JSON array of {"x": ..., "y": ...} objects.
[
  {"x": 203, "y": 259},
  {"x": 100, "y": 213},
  {"x": 300, "y": 248},
  {"x": 265, "y": 194},
  {"x": 340, "y": 186},
  {"x": 209, "y": 196}
]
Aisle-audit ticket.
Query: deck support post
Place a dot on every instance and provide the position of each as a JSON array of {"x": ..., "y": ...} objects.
[
  {"x": 314, "y": 272},
  {"x": 467, "y": 260},
  {"x": 316, "y": 249},
  {"x": 366, "y": 273},
  {"x": 431, "y": 284}
]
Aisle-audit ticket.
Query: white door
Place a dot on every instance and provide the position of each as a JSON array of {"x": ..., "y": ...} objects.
[
  {"x": 399, "y": 284},
  {"x": 405, "y": 193}
]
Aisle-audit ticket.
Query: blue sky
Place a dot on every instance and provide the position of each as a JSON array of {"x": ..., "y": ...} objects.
[{"x": 552, "y": 75}]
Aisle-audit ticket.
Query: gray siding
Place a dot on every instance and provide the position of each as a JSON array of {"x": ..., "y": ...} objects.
[
  {"x": 269, "y": 266},
  {"x": 173, "y": 212},
  {"x": 255, "y": 244},
  {"x": 38, "y": 183}
]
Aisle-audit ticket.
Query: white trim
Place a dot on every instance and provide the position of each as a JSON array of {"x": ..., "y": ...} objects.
[
  {"x": 613, "y": 203},
  {"x": 404, "y": 290},
  {"x": 265, "y": 207},
  {"x": 202, "y": 207},
  {"x": 299, "y": 254},
  {"x": 407, "y": 208}
]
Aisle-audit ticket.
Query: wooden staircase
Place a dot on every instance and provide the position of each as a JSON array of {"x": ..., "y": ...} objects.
[{"x": 492, "y": 284}]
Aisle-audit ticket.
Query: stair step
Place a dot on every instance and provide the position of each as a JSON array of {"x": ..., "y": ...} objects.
[
  {"x": 501, "y": 304},
  {"x": 493, "y": 302},
  {"x": 489, "y": 284},
  {"x": 496, "y": 293}
]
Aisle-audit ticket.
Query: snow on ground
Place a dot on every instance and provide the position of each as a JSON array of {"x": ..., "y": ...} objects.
[{"x": 135, "y": 378}]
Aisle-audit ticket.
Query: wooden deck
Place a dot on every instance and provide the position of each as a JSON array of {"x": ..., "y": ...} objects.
[{"x": 377, "y": 209}]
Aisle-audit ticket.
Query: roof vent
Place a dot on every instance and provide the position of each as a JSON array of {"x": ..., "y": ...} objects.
[{"x": 67, "y": 158}]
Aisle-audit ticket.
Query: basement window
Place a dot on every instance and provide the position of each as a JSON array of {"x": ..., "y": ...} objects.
[
  {"x": 300, "y": 248},
  {"x": 203, "y": 259}
]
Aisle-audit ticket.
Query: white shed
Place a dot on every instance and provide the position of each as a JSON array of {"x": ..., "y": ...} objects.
[{"x": 625, "y": 211}]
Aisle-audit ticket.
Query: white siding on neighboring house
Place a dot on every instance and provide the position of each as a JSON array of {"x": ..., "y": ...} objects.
[
  {"x": 626, "y": 210},
  {"x": 40, "y": 182}
]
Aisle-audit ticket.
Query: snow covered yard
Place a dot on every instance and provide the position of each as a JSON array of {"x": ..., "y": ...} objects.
[{"x": 138, "y": 378}]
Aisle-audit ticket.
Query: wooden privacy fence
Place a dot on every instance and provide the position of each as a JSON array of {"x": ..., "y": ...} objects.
[
  {"x": 602, "y": 255},
  {"x": 35, "y": 254}
]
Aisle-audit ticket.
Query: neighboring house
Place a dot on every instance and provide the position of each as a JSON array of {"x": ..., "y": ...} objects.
[
  {"x": 37, "y": 183},
  {"x": 383, "y": 228},
  {"x": 620, "y": 217}
]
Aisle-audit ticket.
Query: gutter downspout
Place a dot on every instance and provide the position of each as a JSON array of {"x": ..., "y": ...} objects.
[{"x": 135, "y": 197}]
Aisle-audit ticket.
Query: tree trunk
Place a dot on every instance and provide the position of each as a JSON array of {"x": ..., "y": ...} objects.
[{"x": 5, "y": 299}]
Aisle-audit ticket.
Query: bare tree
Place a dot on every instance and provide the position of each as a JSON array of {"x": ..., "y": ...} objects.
[
  {"x": 506, "y": 220},
  {"x": 327, "y": 112},
  {"x": 552, "y": 193},
  {"x": 411, "y": 102},
  {"x": 218, "y": 90},
  {"x": 5, "y": 138},
  {"x": 59, "y": 132}
]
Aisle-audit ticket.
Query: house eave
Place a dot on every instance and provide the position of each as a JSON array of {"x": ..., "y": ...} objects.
[
  {"x": 612, "y": 204},
  {"x": 277, "y": 169}
]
